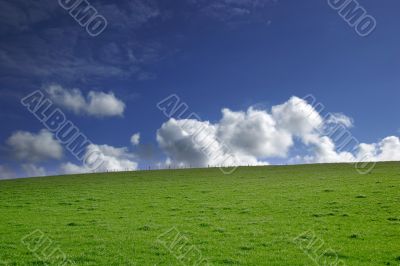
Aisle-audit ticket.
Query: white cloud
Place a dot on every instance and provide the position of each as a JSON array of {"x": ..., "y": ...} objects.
[
  {"x": 6, "y": 172},
  {"x": 254, "y": 133},
  {"x": 239, "y": 138},
  {"x": 253, "y": 136},
  {"x": 102, "y": 104},
  {"x": 26, "y": 146},
  {"x": 32, "y": 170},
  {"x": 387, "y": 149},
  {"x": 70, "y": 168},
  {"x": 324, "y": 151},
  {"x": 114, "y": 159},
  {"x": 175, "y": 138},
  {"x": 297, "y": 117},
  {"x": 135, "y": 139},
  {"x": 97, "y": 104}
]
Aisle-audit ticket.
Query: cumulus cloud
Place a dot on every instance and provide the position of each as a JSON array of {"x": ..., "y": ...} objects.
[
  {"x": 71, "y": 168},
  {"x": 254, "y": 133},
  {"x": 32, "y": 170},
  {"x": 325, "y": 151},
  {"x": 194, "y": 143},
  {"x": 26, "y": 146},
  {"x": 97, "y": 104},
  {"x": 254, "y": 136},
  {"x": 387, "y": 149},
  {"x": 297, "y": 117},
  {"x": 303, "y": 121},
  {"x": 239, "y": 138},
  {"x": 135, "y": 139},
  {"x": 114, "y": 159}
]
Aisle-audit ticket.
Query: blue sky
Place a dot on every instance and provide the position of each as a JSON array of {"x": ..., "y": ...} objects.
[{"x": 213, "y": 55}]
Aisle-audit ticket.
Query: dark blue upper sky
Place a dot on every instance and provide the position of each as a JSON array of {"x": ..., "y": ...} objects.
[{"x": 213, "y": 54}]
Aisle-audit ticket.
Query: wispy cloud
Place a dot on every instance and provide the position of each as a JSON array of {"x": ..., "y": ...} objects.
[
  {"x": 6, "y": 172},
  {"x": 60, "y": 50},
  {"x": 235, "y": 11},
  {"x": 33, "y": 170}
]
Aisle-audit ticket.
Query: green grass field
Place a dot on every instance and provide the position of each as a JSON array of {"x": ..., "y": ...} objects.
[{"x": 256, "y": 216}]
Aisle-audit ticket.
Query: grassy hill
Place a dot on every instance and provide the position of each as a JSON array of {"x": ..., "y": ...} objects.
[{"x": 277, "y": 215}]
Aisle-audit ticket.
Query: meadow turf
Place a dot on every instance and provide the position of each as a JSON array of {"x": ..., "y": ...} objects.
[{"x": 251, "y": 217}]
